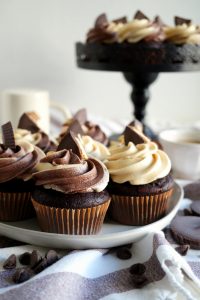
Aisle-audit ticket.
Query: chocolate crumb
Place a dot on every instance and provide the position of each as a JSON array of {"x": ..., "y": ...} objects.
[
  {"x": 35, "y": 259},
  {"x": 43, "y": 264},
  {"x": 10, "y": 262},
  {"x": 22, "y": 275},
  {"x": 187, "y": 212},
  {"x": 182, "y": 249},
  {"x": 51, "y": 257},
  {"x": 124, "y": 253},
  {"x": 138, "y": 275},
  {"x": 25, "y": 258}
]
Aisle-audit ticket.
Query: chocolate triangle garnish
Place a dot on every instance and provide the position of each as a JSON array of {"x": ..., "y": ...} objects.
[
  {"x": 157, "y": 20},
  {"x": 8, "y": 136},
  {"x": 120, "y": 20},
  {"x": 140, "y": 16},
  {"x": 81, "y": 116},
  {"x": 135, "y": 136},
  {"x": 181, "y": 21},
  {"x": 101, "y": 21},
  {"x": 68, "y": 142},
  {"x": 27, "y": 122},
  {"x": 75, "y": 127},
  {"x": 137, "y": 124}
]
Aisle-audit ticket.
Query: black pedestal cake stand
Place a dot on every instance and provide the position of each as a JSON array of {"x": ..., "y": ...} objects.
[{"x": 140, "y": 64}]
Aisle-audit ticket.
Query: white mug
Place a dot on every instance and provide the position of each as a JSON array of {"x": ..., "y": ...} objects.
[
  {"x": 14, "y": 102},
  {"x": 183, "y": 147}
]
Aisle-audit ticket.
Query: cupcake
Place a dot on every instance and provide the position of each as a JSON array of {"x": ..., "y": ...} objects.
[
  {"x": 17, "y": 162},
  {"x": 80, "y": 124},
  {"x": 70, "y": 196},
  {"x": 141, "y": 184},
  {"x": 29, "y": 130}
]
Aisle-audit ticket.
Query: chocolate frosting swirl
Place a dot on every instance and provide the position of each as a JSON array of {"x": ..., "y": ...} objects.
[
  {"x": 18, "y": 163},
  {"x": 65, "y": 172}
]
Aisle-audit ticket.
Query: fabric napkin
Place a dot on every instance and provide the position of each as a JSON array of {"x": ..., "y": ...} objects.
[{"x": 98, "y": 274}]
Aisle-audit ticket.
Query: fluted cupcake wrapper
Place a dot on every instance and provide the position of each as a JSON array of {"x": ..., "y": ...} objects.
[
  {"x": 15, "y": 206},
  {"x": 139, "y": 210},
  {"x": 71, "y": 221}
]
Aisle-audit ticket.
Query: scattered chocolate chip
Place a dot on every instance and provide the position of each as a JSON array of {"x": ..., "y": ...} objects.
[
  {"x": 124, "y": 253},
  {"x": 25, "y": 258},
  {"x": 43, "y": 264},
  {"x": 35, "y": 258},
  {"x": 8, "y": 136},
  {"x": 138, "y": 274},
  {"x": 22, "y": 275},
  {"x": 187, "y": 212},
  {"x": 10, "y": 262},
  {"x": 140, "y": 16},
  {"x": 182, "y": 249},
  {"x": 135, "y": 136},
  {"x": 51, "y": 257},
  {"x": 195, "y": 207},
  {"x": 192, "y": 191},
  {"x": 181, "y": 21}
]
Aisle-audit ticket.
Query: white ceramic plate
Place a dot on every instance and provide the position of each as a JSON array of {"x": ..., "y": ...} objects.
[{"x": 112, "y": 234}]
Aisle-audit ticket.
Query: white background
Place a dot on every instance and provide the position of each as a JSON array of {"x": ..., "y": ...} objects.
[{"x": 37, "y": 50}]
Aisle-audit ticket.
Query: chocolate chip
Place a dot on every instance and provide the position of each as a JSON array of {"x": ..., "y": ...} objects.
[
  {"x": 138, "y": 275},
  {"x": 124, "y": 253},
  {"x": 25, "y": 258},
  {"x": 43, "y": 264},
  {"x": 10, "y": 262},
  {"x": 22, "y": 275},
  {"x": 8, "y": 136},
  {"x": 120, "y": 20},
  {"x": 51, "y": 257},
  {"x": 187, "y": 212},
  {"x": 182, "y": 249},
  {"x": 35, "y": 258}
]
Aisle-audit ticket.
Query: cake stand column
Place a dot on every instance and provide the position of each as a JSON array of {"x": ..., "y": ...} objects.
[{"x": 140, "y": 95}]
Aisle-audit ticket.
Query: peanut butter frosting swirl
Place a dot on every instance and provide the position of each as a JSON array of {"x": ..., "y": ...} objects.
[
  {"x": 65, "y": 172},
  {"x": 93, "y": 148},
  {"x": 137, "y": 164},
  {"x": 183, "y": 34},
  {"x": 39, "y": 139},
  {"x": 18, "y": 163}
]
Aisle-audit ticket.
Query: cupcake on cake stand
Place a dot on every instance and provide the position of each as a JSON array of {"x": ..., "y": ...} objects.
[{"x": 140, "y": 62}]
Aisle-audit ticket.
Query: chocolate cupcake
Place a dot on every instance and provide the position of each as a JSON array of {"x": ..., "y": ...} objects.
[
  {"x": 79, "y": 124},
  {"x": 29, "y": 130},
  {"x": 17, "y": 162},
  {"x": 141, "y": 184},
  {"x": 70, "y": 196}
]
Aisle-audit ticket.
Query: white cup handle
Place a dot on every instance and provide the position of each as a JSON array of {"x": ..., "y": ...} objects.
[{"x": 62, "y": 108}]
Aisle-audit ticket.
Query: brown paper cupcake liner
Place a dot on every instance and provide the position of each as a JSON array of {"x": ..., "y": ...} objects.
[
  {"x": 71, "y": 221},
  {"x": 15, "y": 206},
  {"x": 139, "y": 210}
]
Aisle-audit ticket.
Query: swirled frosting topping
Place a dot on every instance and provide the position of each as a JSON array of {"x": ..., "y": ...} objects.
[
  {"x": 93, "y": 148},
  {"x": 65, "y": 172},
  {"x": 137, "y": 164},
  {"x": 18, "y": 163}
]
